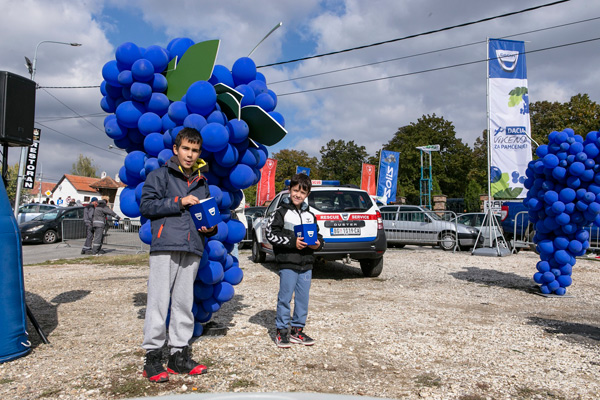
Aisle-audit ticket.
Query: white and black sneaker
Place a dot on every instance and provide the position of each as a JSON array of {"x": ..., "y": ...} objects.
[
  {"x": 298, "y": 336},
  {"x": 282, "y": 339}
]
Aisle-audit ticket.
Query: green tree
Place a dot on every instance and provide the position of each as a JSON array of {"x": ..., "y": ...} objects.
[
  {"x": 580, "y": 114},
  {"x": 450, "y": 165},
  {"x": 11, "y": 185},
  {"x": 287, "y": 161},
  {"x": 472, "y": 202},
  {"x": 479, "y": 161},
  {"x": 84, "y": 167},
  {"x": 341, "y": 160}
]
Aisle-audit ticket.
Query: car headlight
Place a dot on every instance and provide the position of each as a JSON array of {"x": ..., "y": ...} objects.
[
  {"x": 35, "y": 228},
  {"x": 473, "y": 231}
]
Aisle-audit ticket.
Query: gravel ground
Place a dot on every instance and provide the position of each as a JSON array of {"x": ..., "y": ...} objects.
[{"x": 434, "y": 325}]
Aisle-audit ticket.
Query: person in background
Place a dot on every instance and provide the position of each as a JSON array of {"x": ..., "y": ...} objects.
[
  {"x": 88, "y": 219},
  {"x": 240, "y": 216},
  {"x": 98, "y": 223}
]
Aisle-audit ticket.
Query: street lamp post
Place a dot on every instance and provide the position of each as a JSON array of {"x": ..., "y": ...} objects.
[{"x": 31, "y": 66}]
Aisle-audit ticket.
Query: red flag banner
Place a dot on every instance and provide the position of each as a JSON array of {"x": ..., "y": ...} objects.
[
  {"x": 367, "y": 180},
  {"x": 266, "y": 185}
]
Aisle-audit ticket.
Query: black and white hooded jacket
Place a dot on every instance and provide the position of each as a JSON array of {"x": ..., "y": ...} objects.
[{"x": 280, "y": 233}]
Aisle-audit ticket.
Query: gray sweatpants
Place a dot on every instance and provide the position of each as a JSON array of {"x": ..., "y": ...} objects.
[{"x": 171, "y": 280}]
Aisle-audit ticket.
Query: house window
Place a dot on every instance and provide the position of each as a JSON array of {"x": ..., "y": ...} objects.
[{"x": 86, "y": 199}]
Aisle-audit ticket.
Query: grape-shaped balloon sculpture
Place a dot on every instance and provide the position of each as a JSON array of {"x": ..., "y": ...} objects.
[
  {"x": 563, "y": 201},
  {"x": 151, "y": 94}
]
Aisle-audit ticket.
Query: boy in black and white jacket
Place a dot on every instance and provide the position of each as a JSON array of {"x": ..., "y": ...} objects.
[{"x": 295, "y": 260}]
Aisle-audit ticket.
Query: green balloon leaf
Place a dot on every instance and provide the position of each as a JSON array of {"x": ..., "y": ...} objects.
[
  {"x": 196, "y": 64},
  {"x": 263, "y": 128}
]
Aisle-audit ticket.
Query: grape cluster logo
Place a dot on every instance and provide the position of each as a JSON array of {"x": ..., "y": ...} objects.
[
  {"x": 151, "y": 94},
  {"x": 563, "y": 202}
]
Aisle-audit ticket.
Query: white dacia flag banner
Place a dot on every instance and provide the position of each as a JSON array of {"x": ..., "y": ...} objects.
[{"x": 510, "y": 128}]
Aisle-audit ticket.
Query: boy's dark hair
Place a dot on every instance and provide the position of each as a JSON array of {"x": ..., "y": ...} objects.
[
  {"x": 191, "y": 134},
  {"x": 303, "y": 180}
]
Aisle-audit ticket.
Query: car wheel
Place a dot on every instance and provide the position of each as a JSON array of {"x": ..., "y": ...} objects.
[
  {"x": 447, "y": 241},
  {"x": 50, "y": 237},
  {"x": 258, "y": 256},
  {"x": 371, "y": 267}
]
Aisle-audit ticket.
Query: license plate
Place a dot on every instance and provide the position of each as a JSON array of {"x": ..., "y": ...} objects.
[{"x": 345, "y": 231}]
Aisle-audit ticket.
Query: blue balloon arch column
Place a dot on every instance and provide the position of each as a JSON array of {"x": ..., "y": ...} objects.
[
  {"x": 153, "y": 93},
  {"x": 564, "y": 203}
]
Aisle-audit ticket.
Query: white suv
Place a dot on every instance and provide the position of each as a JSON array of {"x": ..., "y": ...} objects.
[{"x": 348, "y": 220}]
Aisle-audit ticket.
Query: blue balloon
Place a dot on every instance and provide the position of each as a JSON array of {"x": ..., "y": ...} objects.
[
  {"x": 242, "y": 176},
  {"x": 222, "y": 232},
  {"x": 221, "y": 74},
  {"x": 216, "y": 193},
  {"x": 158, "y": 104},
  {"x": 211, "y": 305},
  {"x": 243, "y": 71},
  {"x": 550, "y": 197},
  {"x": 226, "y": 200},
  {"x": 543, "y": 266},
  {"x": 233, "y": 275},
  {"x": 128, "y": 53},
  {"x": 178, "y": 47},
  {"x": 198, "y": 329},
  {"x": 178, "y": 112},
  {"x": 564, "y": 280},
  {"x": 227, "y": 157},
  {"x": 128, "y": 204},
  {"x": 274, "y": 97},
  {"x": 265, "y": 101},
  {"x": 153, "y": 144},
  {"x": 567, "y": 195},
  {"x": 576, "y": 168},
  {"x": 552, "y": 286},
  {"x": 215, "y": 250},
  {"x": 114, "y": 130},
  {"x": 110, "y": 73},
  {"x": 548, "y": 277},
  {"x": 223, "y": 292},
  {"x": 278, "y": 117},
  {"x": 562, "y": 257},
  {"x": 195, "y": 121},
  {"x": 202, "y": 291},
  {"x": 546, "y": 247},
  {"x": 125, "y": 78},
  {"x": 248, "y": 94},
  {"x": 167, "y": 123},
  {"x": 164, "y": 156},
  {"x": 159, "y": 83},
  {"x": 129, "y": 112},
  {"x": 141, "y": 91},
  {"x": 214, "y": 137},
  {"x": 217, "y": 117},
  {"x": 175, "y": 131},
  {"x": 151, "y": 164},
  {"x": 537, "y": 277},
  {"x": 149, "y": 122},
  {"x": 237, "y": 231},
  {"x": 134, "y": 162},
  {"x": 201, "y": 97},
  {"x": 138, "y": 191},
  {"x": 211, "y": 273},
  {"x": 145, "y": 233},
  {"x": 550, "y": 161},
  {"x": 158, "y": 57},
  {"x": 258, "y": 86},
  {"x": 167, "y": 140},
  {"x": 239, "y": 130}
]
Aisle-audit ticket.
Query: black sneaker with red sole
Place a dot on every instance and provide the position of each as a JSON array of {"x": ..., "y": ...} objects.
[
  {"x": 153, "y": 368},
  {"x": 181, "y": 362},
  {"x": 298, "y": 336}
]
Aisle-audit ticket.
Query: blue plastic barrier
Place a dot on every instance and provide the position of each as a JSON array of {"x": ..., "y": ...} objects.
[{"x": 14, "y": 341}]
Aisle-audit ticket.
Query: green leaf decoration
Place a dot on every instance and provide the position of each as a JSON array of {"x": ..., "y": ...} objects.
[
  {"x": 502, "y": 190},
  {"x": 263, "y": 128},
  {"x": 516, "y": 96},
  {"x": 229, "y": 105},
  {"x": 195, "y": 65}
]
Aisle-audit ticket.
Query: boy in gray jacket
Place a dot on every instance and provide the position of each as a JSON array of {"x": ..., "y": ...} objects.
[{"x": 175, "y": 253}]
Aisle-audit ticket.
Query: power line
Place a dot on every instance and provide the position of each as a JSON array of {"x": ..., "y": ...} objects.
[
  {"x": 417, "y": 34},
  {"x": 74, "y": 112},
  {"x": 79, "y": 140},
  {"x": 429, "y": 52},
  {"x": 57, "y": 118},
  {"x": 431, "y": 69}
]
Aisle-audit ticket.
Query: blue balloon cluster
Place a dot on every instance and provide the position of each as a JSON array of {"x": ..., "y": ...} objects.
[
  {"x": 563, "y": 198},
  {"x": 145, "y": 123}
]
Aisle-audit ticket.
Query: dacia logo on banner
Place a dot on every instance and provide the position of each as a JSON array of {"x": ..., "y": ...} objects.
[
  {"x": 212, "y": 211},
  {"x": 516, "y": 130},
  {"x": 507, "y": 59},
  {"x": 345, "y": 217},
  {"x": 198, "y": 216}
]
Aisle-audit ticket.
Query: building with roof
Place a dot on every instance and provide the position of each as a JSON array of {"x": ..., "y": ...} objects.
[
  {"x": 72, "y": 188},
  {"x": 40, "y": 192}
]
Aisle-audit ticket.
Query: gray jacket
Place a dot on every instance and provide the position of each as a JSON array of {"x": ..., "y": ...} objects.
[{"x": 100, "y": 213}]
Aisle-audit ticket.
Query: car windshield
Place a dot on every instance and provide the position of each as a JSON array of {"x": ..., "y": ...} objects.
[
  {"x": 47, "y": 216},
  {"x": 336, "y": 200}
]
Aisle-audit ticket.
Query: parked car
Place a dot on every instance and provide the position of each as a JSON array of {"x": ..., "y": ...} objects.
[
  {"x": 251, "y": 213},
  {"x": 476, "y": 220},
  {"x": 27, "y": 212},
  {"x": 407, "y": 224},
  {"x": 349, "y": 221},
  {"x": 47, "y": 227}
]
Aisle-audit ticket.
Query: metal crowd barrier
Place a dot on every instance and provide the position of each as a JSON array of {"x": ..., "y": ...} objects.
[
  {"x": 425, "y": 228},
  {"x": 123, "y": 233},
  {"x": 523, "y": 234}
]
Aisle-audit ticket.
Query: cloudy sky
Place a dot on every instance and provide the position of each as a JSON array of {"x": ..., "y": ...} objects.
[{"x": 368, "y": 113}]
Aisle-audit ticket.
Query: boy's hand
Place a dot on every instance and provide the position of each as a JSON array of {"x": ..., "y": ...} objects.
[
  {"x": 189, "y": 200},
  {"x": 315, "y": 246},
  {"x": 300, "y": 244},
  {"x": 207, "y": 230}
]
